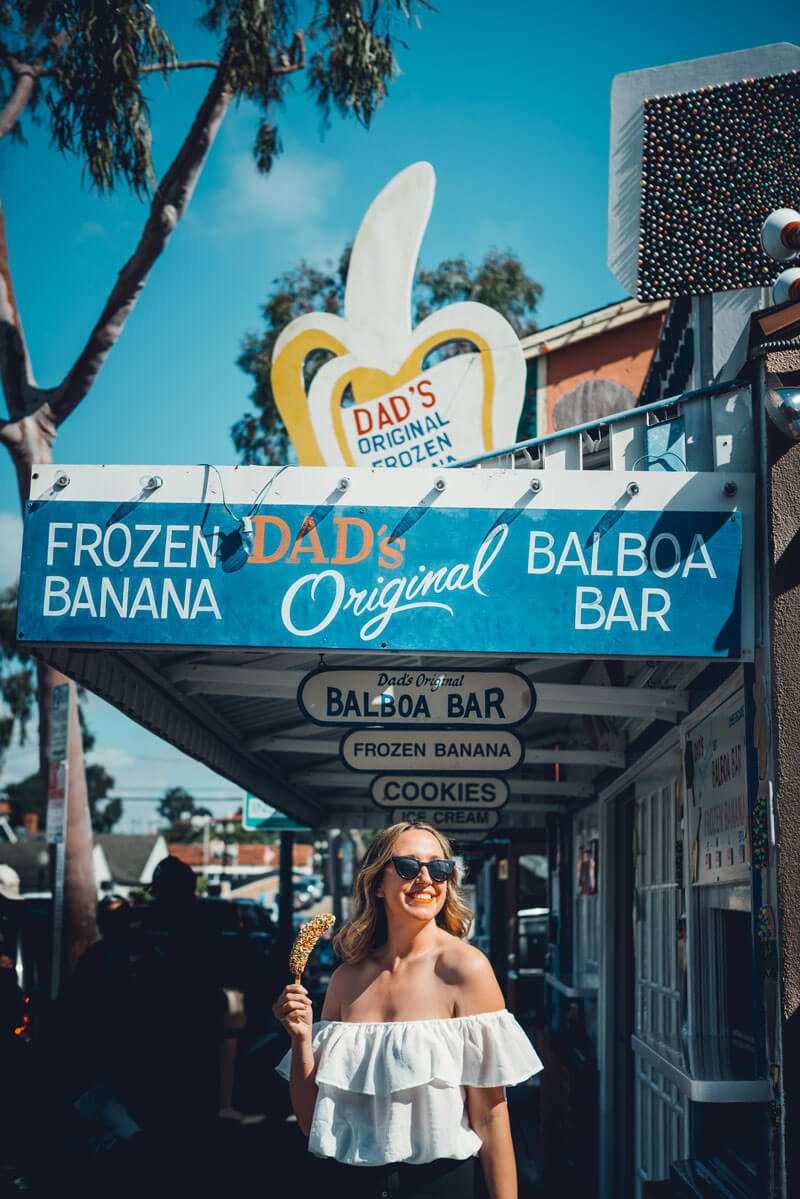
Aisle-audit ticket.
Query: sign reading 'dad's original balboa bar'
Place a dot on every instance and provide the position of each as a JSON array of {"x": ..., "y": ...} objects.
[
  {"x": 522, "y": 579},
  {"x": 420, "y": 751},
  {"x": 416, "y": 697}
]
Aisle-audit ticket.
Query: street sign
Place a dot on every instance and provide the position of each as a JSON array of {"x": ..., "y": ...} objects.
[
  {"x": 55, "y": 829},
  {"x": 453, "y": 822},
  {"x": 59, "y": 725},
  {"x": 420, "y": 751},
  {"x": 56, "y": 824},
  {"x": 719, "y": 808},
  {"x": 259, "y": 815},
  {"x": 416, "y": 697},
  {"x": 439, "y": 791}
]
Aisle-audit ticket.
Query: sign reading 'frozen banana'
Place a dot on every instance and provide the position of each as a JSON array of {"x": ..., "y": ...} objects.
[
  {"x": 420, "y": 751},
  {"x": 387, "y": 394}
]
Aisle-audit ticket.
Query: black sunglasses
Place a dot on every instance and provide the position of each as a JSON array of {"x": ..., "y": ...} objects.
[{"x": 440, "y": 869}]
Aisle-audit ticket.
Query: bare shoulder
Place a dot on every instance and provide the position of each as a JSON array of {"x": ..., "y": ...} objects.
[
  {"x": 344, "y": 982},
  {"x": 469, "y": 971},
  {"x": 463, "y": 960}
]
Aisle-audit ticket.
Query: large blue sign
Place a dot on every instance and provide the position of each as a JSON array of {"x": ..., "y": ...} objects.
[{"x": 427, "y": 578}]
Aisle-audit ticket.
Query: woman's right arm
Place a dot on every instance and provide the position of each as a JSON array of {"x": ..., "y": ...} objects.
[{"x": 293, "y": 1009}]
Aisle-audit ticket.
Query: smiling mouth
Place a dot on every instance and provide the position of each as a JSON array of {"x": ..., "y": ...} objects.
[{"x": 422, "y": 897}]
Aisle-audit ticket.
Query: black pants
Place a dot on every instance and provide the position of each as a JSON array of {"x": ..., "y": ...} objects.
[{"x": 446, "y": 1178}]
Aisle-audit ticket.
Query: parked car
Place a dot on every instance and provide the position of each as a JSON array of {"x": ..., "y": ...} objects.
[{"x": 306, "y": 889}]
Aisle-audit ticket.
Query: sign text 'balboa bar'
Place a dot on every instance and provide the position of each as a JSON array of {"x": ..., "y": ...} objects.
[{"x": 411, "y": 697}]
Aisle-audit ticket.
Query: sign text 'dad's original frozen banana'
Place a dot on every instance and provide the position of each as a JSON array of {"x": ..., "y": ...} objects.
[{"x": 391, "y": 394}]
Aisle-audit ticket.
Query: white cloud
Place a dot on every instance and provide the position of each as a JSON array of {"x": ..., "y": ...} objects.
[
  {"x": 297, "y": 198},
  {"x": 91, "y": 231},
  {"x": 11, "y": 543},
  {"x": 22, "y": 760}
]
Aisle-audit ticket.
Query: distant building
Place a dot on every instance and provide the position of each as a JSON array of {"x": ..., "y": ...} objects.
[
  {"x": 588, "y": 367},
  {"x": 29, "y": 858},
  {"x": 125, "y": 862}
]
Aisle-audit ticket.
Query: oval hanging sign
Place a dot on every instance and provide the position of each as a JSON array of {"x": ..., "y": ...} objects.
[
  {"x": 436, "y": 792},
  {"x": 455, "y": 822},
  {"x": 420, "y": 751},
  {"x": 438, "y": 699}
]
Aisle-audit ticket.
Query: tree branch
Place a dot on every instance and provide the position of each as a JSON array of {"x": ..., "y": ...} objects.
[
  {"x": 168, "y": 206},
  {"x": 189, "y": 65},
  {"x": 295, "y": 60},
  {"x": 26, "y": 75},
  {"x": 16, "y": 375}
]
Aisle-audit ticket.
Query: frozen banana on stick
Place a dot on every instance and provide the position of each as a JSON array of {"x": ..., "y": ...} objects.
[{"x": 305, "y": 941}]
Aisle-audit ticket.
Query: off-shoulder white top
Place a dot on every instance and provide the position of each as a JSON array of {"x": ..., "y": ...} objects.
[{"x": 394, "y": 1092}]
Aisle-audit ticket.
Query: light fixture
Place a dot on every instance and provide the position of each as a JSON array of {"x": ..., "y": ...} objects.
[
  {"x": 780, "y": 234},
  {"x": 783, "y": 409},
  {"x": 787, "y": 286}
]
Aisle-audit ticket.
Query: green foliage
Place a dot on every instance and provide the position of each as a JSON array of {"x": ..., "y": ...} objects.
[
  {"x": 17, "y": 676},
  {"x": 500, "y": 282},
  {"x": 177, "y": 806},
  {"x": 29, "y": 795},
  {"x": 97, "y": 106},
  {"x": 303, "y": 288},
  {"x": 98, "y": 784},
  {"x": 97, "y": 57}
]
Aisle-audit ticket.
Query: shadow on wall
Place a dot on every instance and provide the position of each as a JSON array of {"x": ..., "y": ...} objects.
[{"x": 591, "y": 400}]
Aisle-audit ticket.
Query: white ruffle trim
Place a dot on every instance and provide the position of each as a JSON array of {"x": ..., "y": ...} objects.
[{"x": 485, "y": 1050}]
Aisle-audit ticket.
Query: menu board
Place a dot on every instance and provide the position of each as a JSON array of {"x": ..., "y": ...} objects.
[{"x": 718, "y": 813}]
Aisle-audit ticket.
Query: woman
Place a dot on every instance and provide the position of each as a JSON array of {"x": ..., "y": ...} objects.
[{"x": 402, "y": 1082}]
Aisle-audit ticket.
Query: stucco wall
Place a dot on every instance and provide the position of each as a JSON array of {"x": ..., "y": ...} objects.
[
  {"x": 784, "y": 519},
  {"x": 622, "y": 355}
]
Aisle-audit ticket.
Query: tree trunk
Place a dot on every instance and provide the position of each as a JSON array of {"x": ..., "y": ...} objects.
[
  {"x": 80, "y": 892},
  {"x": 29, "y": 434}
]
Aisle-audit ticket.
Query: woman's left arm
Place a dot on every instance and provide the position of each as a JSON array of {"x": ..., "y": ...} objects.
[
  {"x": 488, "y": 1115},
  {"x": 477, "y": 992}
]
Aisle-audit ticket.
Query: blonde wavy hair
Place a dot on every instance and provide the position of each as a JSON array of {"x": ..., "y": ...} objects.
[{"x": 367, "y": 929}]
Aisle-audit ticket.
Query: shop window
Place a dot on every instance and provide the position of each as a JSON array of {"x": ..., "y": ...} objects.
[
  {"x": 661, "y": 1111},
  {"x": 587, "y": 902}
]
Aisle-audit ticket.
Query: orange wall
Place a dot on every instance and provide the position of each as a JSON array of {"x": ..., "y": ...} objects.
[{"x": 622, "y": 355}]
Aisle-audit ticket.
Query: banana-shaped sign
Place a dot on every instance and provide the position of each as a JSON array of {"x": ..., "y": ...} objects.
[{"x": 377, "y": 401}]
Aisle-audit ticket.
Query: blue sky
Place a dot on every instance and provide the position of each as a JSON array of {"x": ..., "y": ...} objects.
[{"x": 509, "y": 102}]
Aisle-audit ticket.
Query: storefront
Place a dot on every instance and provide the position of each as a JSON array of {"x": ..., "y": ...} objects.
[
  {"x": 578, "y": 651},
  {"x": 303, "y": 679}
]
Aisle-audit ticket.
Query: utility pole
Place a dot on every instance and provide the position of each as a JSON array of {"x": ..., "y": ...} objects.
[{"x": 285, "y": 897}]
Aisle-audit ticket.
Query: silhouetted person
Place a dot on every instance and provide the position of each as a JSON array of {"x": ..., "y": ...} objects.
[{"x": 175, "y": 1011}]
